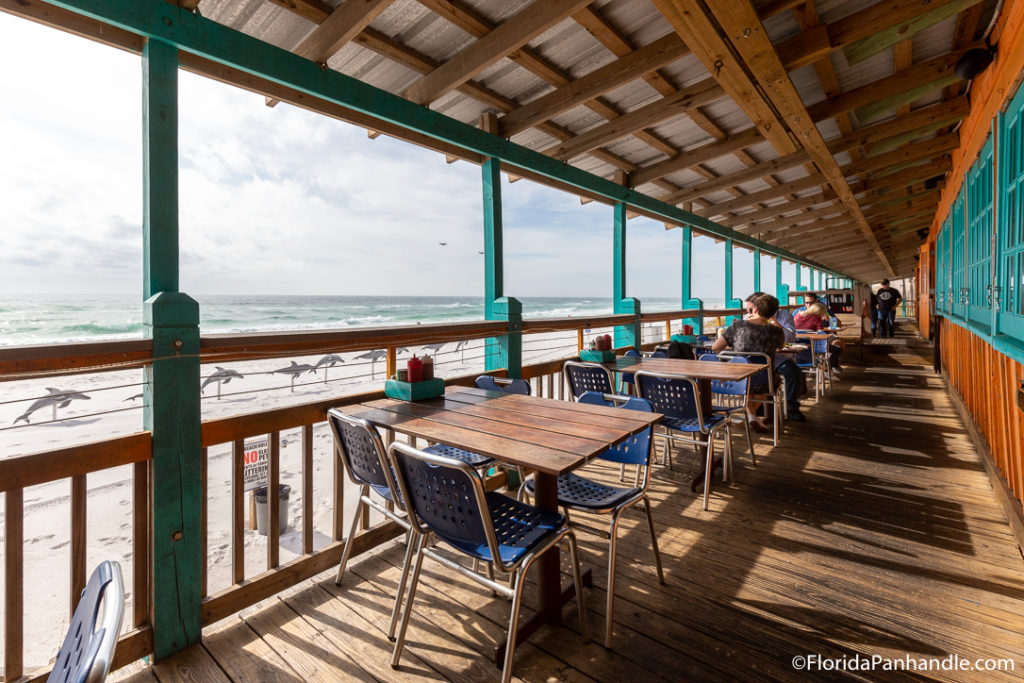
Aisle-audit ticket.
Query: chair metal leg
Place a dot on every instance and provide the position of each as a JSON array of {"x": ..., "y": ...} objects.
[
  {"x": 622, "y": 472},
  {"x": 364, "y": 490},
  {"x": 707, "y": 468},
  {"x": 577, "y": 577},
  {"x": 750, "y": 441},
  {"x": 610, "y": 607},
  {"x": 418, "y": 564},
  {"x": 513, "y": 625},
  {"x": 490, "y": 575},
  {"x": 654, "y": 539},
  {"x": 409, "y": 543}
]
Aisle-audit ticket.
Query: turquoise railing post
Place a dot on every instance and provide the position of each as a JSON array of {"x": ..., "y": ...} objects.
[
  {"x": 730, "y": 300},
  {"x": 757, "y": 269},
  {"x": 505, "y": 351},
  {"x": 632, "y": 334},
  {"x": 688, "y": 301},
  {"x": 781, "y": 288},
  {"x": 800, "y": 287},
  {"x": 171, "y": 393}
]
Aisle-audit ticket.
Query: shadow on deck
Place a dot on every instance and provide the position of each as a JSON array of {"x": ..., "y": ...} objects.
[{"x": 872, "y": 530}]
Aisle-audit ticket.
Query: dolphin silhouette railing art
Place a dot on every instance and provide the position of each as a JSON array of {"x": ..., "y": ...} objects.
[{"x": 57, "y": 398}]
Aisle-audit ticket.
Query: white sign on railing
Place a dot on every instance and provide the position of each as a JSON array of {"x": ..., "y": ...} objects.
[{"x": 256, "y": 458}]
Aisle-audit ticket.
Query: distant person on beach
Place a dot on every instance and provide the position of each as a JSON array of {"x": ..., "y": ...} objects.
[{"x": 888, "y": 299}]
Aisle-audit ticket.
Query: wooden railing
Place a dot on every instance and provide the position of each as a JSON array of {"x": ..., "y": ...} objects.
[{"x": 74, "y": 463}]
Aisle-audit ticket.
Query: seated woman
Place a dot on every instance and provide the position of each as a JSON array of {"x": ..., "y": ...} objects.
[
  {"x": 757, "y": 332},
  {"x": 816, "y": 318}
]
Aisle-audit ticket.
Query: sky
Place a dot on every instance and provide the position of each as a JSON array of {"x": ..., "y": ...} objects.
[{"x": 279, "y": 200}]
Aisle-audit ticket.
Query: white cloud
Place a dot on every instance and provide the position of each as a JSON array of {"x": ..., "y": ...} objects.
[{"x": 273, "y": 200}]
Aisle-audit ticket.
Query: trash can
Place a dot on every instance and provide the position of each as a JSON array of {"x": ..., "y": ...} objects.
[{"x": 261, "y": 508}]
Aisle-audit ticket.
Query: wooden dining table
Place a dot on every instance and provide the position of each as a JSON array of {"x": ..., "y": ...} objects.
[
  {"x": 701, "y": 371},
  {"x": 544, "y": 435}
]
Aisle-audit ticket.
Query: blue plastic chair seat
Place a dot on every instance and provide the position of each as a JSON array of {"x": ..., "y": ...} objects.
[
  {"x": 580, "y": 492},
  {"x": 518, "y": 527},
  {"x": 691, "y": 424},
  {"x": 469, "y": 457}
]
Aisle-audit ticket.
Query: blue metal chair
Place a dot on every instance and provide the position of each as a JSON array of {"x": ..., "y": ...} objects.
[
  {"x": 730, "y": 398},
  {"x": 627, "y": 377},
  {"x": 807, "y": 360},
  {"x": 659, "y": 353},
  {"x": 447, "y": 499},
  {"x": 362, "y": 451},
  {"x": 585, "y": 495},
  {"x": 88, "y": 648},
  {"x": 821, "y": 353},
  {"x": 676, "y": 397},
  {"x": 509, "y": 386},
  {"x": 703, "y": 338},
  {"x": 583, "y": 377},
  {"x": 765, "y": 379}
]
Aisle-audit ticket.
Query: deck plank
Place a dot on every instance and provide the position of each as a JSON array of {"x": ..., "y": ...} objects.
[{"x": 871, "y": 530}]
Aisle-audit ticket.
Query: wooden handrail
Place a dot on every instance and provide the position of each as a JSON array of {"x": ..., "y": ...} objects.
[
  {"x": 39, "y": 468},
  {"x": 34, "y": 360},
  {"x": 537, "y": 325},
  {"x": 657, "y": 317}
]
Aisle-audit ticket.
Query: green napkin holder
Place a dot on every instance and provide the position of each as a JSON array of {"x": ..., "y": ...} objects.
[
  {"x": 592, "y": 356},
  {"x": 414, "y": 391}
]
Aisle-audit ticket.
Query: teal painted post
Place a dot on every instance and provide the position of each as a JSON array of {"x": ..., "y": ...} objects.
[
  {"x": 507, "y": 351},
  {"x": 800, "y": 287},
  {"x": 757, "y": 269},
  {"x": 688, "y": 301},
  {"x": 781, "y": 288},
  {"x": 730, "y": 300},
  {"x": 171, "y": 393},
  {"x": 625, "y": 335}
]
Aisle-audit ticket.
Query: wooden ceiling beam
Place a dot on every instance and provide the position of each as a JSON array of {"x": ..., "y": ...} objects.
[
  {"x": 907, "y": 81},
  {"x": 665, "y": 50},
  {"x": 907, "y": 176},
  {"x": 874, "y": 28},
  {"x": 920, "y": 119},
  {"x": 764, "y": 195},
  {"x": 921, "y": 150},
  {"x": 512, "y": 34},
  {"x": 692, "y": 157},
  {"x": 780, "y": 226},
  {"x": 749, "y": 38},
  {"x": 660, "y": 110},
  {"x": 746, "y": 175},
  {"x": 342, "y": 25},
  {"x": 780, "y": 210}
]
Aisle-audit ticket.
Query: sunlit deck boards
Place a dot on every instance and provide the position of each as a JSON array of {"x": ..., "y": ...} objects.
[{"x": 873, "y": 530}]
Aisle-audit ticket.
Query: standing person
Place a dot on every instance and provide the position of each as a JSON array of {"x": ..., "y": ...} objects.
[
  {"x": 874, "y": 314},
  {"x": 888, "y": 299}
]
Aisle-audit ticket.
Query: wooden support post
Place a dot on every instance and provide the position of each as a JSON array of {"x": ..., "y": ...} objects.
[
  {"x": 172, "y": 411},
  {"x": 781, "y": 288},
  {"x": 500, "y": 352},
  {"x": 625, "y": 335},
  {"x": 757, "y": 269},
  {"x": 688, "y": 301}
]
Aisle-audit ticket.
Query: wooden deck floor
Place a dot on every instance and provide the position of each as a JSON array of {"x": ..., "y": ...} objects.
[{"x": 871, "y": 531}]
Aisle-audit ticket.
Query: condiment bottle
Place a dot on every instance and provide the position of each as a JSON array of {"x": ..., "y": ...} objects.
[
  {"x": 687, "y": 329},
  {"x": 607, "y": 342},
  {"x": 414, "y": 367},
  {"x": 428, "y": 368}
]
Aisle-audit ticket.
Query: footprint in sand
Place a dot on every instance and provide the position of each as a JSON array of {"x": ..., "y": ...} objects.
[{"x": 60, "y": 545}]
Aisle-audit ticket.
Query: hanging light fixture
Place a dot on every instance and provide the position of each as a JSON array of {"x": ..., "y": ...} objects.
[{"x": 974, "y": 62}]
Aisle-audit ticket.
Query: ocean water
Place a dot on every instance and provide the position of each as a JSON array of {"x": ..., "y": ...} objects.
[{"x": 51, "y": 319}]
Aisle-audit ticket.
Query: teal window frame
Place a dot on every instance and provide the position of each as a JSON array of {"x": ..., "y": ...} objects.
[
  {"x": 958, "y": 260},
  {"x": 980, "y": 226},
  {"x": 1010, "y": 253}
]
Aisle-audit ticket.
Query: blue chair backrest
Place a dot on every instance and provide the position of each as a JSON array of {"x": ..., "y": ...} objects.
[
  {"x": 445, "y": 495},
  {"x": 821, "y": 346},
  {"x": 659, "y": 354},
  {"x": 708, "y": 357},
  {"x": 587, "y": 377},
  {"x": 627, "y": 377},
  {"x": 85, "y": 646},
  {"x": 636, "y": 449},
  {"x": 632, "y": 353},
  {"x": 671, "y": 396},
  {"x": 703, "y": 338},
  {"x": 515, "y": 386},
  {"x": 700, "y": 351},
  {"x": 731, "y": 388},
  {"x": 805, "y": 358},
  {"x": 361, "y": 449}
]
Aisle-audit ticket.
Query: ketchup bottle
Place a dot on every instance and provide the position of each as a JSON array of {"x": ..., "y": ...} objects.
[
  {"x": 428, "y": 368},
  {"x": 414, "y": 366},
  {"x": 687, "y": 329},
  {"x": 607, "y": 342}
]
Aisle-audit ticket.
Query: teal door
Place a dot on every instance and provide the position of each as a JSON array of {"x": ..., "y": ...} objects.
[
  {"x": 1010, "y": 290},
  {"x": 958, "y": 258},
  {"x": 980, "y": 181}
]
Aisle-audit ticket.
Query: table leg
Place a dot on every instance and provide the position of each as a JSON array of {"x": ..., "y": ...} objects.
[
  {"x": 550, "y": 596},
  {"x": 704, "y": 389}
]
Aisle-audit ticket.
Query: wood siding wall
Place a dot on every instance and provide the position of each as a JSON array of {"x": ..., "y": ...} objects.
[{"x": 987, "y": 381}]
